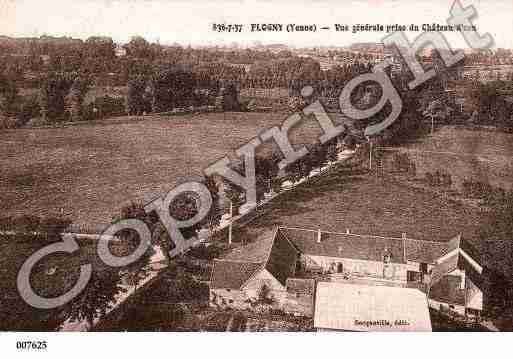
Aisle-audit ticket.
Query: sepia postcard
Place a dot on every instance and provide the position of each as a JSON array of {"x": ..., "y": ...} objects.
[{"x": 254, "y": 166}]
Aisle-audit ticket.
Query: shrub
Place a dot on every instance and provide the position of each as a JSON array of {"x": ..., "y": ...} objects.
[
  {"x": 28, "y": 109},
  {"x": 439, "y": 179},
  {"x": 403, "y": 163},
  {"x": 37, "y": 122},
  {"x": 205, "y": 252},
  {"x": 7, "y": 123},
  {"x": 102, "y": 107},
  {"x": 484, "y": 191},
  {"x": 265, "y": 295}
]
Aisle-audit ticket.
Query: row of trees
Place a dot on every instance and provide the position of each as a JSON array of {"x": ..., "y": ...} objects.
[
  {"x": 268, "y": 177},
  {"x": 97, "y": 297},
  {"x": 61, "y": 96},
  {"x": 168, "y": 89},
  {"x": 158, "y": 77},
  {"x": 489, "y": 102},
  {"x": 100, "y": 56}
]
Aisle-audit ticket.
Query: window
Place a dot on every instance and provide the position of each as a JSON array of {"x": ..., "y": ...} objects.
[
  {"x": 423, "y": 268},
  {"x": 413, "y": 276},
  {"x": 473, "y": 312},
  {"x": 340, "y": 268},
  {"x": 333, "y": 267}
]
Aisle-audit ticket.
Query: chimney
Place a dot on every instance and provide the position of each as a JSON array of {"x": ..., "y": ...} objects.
[
  {"x": 348, "y": 231},
  {"x": 319, "y": 236}
]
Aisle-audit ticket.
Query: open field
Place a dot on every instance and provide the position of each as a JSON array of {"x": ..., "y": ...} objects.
[
  {"x": 484, "y": 156},
  {"x": 91, "y": 170}
]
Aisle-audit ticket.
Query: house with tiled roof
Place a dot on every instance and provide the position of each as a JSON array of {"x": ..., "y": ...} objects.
[
  {"x": 253, "y": 272},
  {"x": 447, "y": 273}
]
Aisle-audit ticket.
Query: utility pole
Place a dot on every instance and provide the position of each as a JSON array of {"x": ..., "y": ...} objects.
[
  {"x": 370, "y": 155},
  {"x": 230, "y": 226}
]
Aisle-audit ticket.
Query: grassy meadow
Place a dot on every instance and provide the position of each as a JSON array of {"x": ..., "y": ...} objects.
[{"x": 91, "y": 170}]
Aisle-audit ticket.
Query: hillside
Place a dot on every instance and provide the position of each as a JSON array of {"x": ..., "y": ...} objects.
[{"x": 480, "y": 155}]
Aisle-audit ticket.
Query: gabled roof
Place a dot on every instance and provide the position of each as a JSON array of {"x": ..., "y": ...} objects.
[
  {"x": 282, "y": 259},
  {"x": 271, "y": 252},
  {"x": 457, "y": 258},
  {"x": 228, "y": 274},
  {"x": 454, "y": 243},
  {"x": 344, "y": 245},
  {"x": 445, "y": 267},
  {"x": 257, "y": 251},
  {"x": 277, "y": 253},
  {"x": 371, "y": 247}
]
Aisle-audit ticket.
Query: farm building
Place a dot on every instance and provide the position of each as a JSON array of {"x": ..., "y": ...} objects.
[
  {"x": 261, "y": 272},
  {"x": 284, "y": 269}
]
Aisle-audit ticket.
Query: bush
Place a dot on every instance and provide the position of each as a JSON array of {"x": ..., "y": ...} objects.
[
  {"x": 102, "y": 107},
  {"x": 7, "y": 123},
  {"x": 28, "y": 109},
  {"x": 205, "y": 252},
  {"x": 484, "y": 191},
  {"x": 37, "y": 122},
  {"x": 265, "y": 296},
  {"x": 402, "y": 163},
  {"x": 439, "y": 179}
]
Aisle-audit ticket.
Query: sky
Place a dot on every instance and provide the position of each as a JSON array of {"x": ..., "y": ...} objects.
[{"x": 190, "y": 22}]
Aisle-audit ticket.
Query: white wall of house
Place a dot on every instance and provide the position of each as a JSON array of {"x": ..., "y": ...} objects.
[
  {"x": 395, "y": 271},
  {"x": 253, "y": 286},
  {"x": 474, "y": 295},
  {"x": 415, "y": 266},
  {"x": 228, "y": 298},
  {"x": 242, "y": 298}
]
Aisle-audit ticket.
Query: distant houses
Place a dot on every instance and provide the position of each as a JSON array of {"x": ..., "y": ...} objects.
[{"x": 289, "y": 269}]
